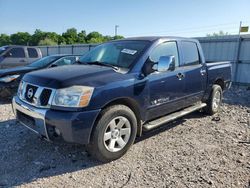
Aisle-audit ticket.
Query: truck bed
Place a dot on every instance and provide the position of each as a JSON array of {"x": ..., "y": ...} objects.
[{"x": 219, "y": 70}]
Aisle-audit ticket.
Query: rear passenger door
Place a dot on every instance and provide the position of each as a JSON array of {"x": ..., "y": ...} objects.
[
  {"x": 14, "y": 57},
  {"x": 194, "y": 71},
  {"x": 32, "y": 55}
]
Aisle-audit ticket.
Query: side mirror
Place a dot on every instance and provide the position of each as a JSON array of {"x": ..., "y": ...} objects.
[
  {"x": 165, "y": 63},
  {"x": 8, "y": 54}
]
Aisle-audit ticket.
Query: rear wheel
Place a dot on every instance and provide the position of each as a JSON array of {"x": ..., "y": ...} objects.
[
  {"x": 114, "y": 133},
  {"x": 214, "y": 101}
]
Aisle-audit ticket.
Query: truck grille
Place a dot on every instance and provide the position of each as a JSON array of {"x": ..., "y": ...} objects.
[
  {"x": 35, "y": 95},
  {"x": 45, "y": 96}
]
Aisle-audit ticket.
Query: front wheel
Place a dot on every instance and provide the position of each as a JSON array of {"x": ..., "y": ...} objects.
[
  {"x": 214, "y": 101},
  {"x": 114, "y": 133}
]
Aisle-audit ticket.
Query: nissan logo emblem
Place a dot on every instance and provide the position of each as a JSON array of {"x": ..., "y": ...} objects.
[{"x": 30, "y": 93}]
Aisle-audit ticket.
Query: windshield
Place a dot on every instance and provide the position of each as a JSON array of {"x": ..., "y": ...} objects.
[
  {"x": 43, "y": 62},
  {"x": 3, "y": 49},
  {"x": 120, "y": 54}
]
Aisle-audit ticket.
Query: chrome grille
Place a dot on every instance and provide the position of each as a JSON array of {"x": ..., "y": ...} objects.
[{"x": 35, "y": 95}]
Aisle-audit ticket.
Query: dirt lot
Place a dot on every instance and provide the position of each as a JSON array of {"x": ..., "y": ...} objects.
[{"x": 195, "y": 151}]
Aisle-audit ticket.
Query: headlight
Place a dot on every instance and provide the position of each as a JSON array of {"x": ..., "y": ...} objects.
[
  {"x": 10, "y": 78},
  {"x": 75, "y": 96},
  {"x": 20, "y": 89}
]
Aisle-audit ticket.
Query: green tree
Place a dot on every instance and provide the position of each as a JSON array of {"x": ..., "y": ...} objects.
[
  {"x": 81, "y": 37},
  {"x": 20, "y": 38},
  {"x": 37, "y": 37},
  {"x": 220, "y": 33},
  {"x": 47, "y": 42},
  {"x": 61, "y": 40},
  {"x": 4, "y": 40},
  {"x": 118, "y": 37},
  {"x": 94, "y": 37},
  {"x": 52, "y": 36},
  {"x": 70, "y": 36}
]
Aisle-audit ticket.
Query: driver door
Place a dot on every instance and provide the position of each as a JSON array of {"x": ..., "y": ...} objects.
[{"x": 166, "y": 89}]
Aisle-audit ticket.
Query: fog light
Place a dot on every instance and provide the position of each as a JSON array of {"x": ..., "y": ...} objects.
[{"x": 57, "y": 131}]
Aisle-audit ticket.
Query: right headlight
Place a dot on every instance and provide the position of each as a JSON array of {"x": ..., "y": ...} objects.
[{"x": 75, "y": 96}]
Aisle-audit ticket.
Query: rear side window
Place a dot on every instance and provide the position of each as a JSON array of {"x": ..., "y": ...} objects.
[
  {"x": 32, "y": 53},
  {"x": 16, "y": 53},
  {"x": 190, "y": 53},
  {"x": 165, "y": 49}
]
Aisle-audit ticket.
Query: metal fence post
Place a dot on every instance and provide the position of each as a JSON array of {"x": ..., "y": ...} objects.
[
  {"x": 59, "y": 49},
  {"x": 47, "y": 50},
  {"x": 72, "y": 49},
  {"x": 237, "y": 59}
]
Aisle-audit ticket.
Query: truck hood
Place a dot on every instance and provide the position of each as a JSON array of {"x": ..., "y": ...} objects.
[
  {"x": 66, "y": 76},
  {"x": 16, "y": 70}
]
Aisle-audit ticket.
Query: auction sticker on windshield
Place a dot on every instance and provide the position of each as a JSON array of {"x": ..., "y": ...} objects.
[{"x": 128, "y": 51}]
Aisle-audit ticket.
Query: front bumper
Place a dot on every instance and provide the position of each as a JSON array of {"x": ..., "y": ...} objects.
[{"x": 74, "y": 127}]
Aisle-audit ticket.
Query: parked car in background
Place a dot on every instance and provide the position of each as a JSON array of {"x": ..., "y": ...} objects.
[
  {"x": 10, "y": 78},
  {"x": 14, "y": 56},
  {"x": 122, "y": 88}
]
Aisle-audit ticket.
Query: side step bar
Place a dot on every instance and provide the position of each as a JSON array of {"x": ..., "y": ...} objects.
[{"x": 158, "y": 122}]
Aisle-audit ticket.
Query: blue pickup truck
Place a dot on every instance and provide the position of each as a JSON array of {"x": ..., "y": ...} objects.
[{"x": 120, "y": 89}]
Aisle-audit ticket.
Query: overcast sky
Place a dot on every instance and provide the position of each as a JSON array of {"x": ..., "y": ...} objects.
[{"x": 134, "y": 17}]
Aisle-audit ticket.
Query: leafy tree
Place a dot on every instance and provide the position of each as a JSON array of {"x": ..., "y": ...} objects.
[
  {"x": 61, "y": 40},
  {"x": 220, "y": 33},
  {"x": 4, "y": 40},
  {"x": 81, "y": 37},
  {"x": 94, "y": 37},
  {"x": 52, "y": 36},
  {"x": 47, "y": 42},
  {"x": 37, "y": 37},
  {"x": 70, "y": 36},
  {"x": 20, "y": 38},
  {"x": 118, "y": 37}
]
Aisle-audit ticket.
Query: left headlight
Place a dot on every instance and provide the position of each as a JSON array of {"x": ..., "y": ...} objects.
[
  {"x": 9, "y": 78},
  {"x": 75, "y": 96}
]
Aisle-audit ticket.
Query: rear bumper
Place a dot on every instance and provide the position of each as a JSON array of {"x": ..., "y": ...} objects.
[{"x": 74, "y": 127}]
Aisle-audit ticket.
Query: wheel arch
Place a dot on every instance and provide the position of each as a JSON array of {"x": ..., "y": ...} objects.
[
  {"x": 220, "y": 82},
  {"x": 132, "y": 104}
]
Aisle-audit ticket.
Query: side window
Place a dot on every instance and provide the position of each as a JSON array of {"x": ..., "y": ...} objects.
[
  {"x": 32, "y": 53},
  {"x": 165, "y": 49},
  {"x": 190, "y": 53},
  {"x": 16, "y": 53},
  {"x": 65, "y": 61}
]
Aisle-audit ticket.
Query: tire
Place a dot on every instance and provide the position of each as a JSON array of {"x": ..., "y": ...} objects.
[
  {"x": 114, "y": 133},
  {"x": 214, "y": 101}
]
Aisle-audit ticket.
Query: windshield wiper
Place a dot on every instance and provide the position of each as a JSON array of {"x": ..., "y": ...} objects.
[{"x": 102, "y": 64}]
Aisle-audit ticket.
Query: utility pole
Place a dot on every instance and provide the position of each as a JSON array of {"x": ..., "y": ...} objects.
[{"x": 116, "y": 27}]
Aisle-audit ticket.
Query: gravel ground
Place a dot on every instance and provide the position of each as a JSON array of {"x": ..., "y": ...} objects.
[{"x": 195, "y": 151}]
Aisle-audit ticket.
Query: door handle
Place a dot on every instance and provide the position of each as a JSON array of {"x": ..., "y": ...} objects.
[
  {"x": 203, "y": 72},
  {"x": 180, "y": 76}
]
